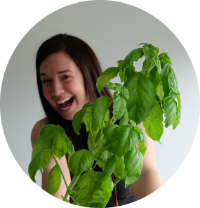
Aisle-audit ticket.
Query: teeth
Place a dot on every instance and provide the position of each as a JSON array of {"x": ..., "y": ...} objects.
[
  {"x": 65, "y": 108},
  {"x": 62, "y": 101}
]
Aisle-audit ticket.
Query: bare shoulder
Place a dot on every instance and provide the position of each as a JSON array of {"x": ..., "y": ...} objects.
[{"x": 35, "y": 133}]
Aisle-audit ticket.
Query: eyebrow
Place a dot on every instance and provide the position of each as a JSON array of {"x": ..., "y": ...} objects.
[{"x": 43, "y": 74}]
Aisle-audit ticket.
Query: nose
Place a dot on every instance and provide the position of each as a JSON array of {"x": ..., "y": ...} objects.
[{"x": 57, "y": 88}]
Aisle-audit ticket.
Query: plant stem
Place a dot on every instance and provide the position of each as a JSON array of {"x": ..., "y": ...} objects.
[
  {"x": 72, "y": 184},
  {"x": 60, "y": 170}
]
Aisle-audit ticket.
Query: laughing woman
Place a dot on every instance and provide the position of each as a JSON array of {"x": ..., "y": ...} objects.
[{"x": 67, "y": 70}]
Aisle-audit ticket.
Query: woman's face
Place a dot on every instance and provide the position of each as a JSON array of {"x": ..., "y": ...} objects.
[{"x": 63, "y": 84}]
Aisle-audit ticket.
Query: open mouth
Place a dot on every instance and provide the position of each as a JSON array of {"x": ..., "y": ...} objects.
[{"x": 66, "y": 104}]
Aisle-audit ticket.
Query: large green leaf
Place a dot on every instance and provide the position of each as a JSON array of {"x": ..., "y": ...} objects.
[
  {"x": 49, "y": 131},
  {"x": 45, "y": 147},
  {"x": 134, "y": 55},
  {"x": 106, "y": 76},
  {"x": 35, "y": 165},
  {"x": 126, "y": 137},
  {"x": 133, "y": 161},
  {"x": 102, "y": 192},
  {"x": 54, "y": 180},
  {"x": 59, "y": 145},
  {"x": 79, "y": 116},
  {"x": 88, "y": 119},
  {"x": 169, "y": 107},
  {"x": 119, "y": 167},
  {"x": 154, "y": 123},
  {"x": 86, "y": 186},
  {"x": 99, "y": 110},
  {"x": 141, "y": 96},
  {"x": 150, "y": 51},
  {"x": 40, "y": 145},
  {"x": 80, "y": 161},
  {"x": 119, "y": 106}
]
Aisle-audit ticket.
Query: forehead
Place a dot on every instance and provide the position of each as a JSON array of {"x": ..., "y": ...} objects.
[{"x": 58, "y": 62}]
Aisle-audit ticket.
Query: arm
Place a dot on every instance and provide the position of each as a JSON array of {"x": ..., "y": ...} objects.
[{"x": 149, "y": 180}]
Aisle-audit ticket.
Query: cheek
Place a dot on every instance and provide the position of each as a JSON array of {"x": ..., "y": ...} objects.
[{"x": 46, "y": 93}]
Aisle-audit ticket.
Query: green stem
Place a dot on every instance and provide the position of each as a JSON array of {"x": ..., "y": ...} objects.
[{"x": 60, "y": 170}]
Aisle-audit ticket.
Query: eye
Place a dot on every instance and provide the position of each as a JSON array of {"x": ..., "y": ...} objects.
[
  {"x": 45, "y": 81},
  {"x": 65, "y": 76}
]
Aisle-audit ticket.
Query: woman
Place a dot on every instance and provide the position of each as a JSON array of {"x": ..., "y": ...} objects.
[{"x": 67, "y": 71}]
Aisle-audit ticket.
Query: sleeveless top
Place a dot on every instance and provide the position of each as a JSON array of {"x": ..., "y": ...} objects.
[{"x": 124, "y": 195}]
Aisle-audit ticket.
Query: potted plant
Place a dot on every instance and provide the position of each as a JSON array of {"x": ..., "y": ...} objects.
[{"x": 150, "y": 96}]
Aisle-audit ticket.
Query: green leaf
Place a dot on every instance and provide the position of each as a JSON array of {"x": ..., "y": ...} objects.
[
  {"x": 105, "y": 77},
  {"x": 141, "y": 96},
  {"x": 178, "y": 112},
  {"x": 49, "y": 131},
  {"x": 54, "y": 180},
  {"x": 149, "y": 51},
  {"x": 164, "y": 75},
  {"x": 88, "y": 119},
  {"x": 157, "y": 63},
  {"x": 133, "y": 161},
  {"x": 156, "y": 79},
  {"x": 164, "y": 59},
  {"x": 109, "y": 168},
  {"x": 99, "y": 110},
  {"x": 147, "y": 67},
  {"x": 119, "y": 106},
  {"x": 129, "y": 70},
  {"x": 172, "y": 80},
  {"x": 86, "y": 185},
  {"x": 45, "y": 147},
  {"x": 39, "y": 162},
  {"x": 126, "y": 136},
  {"x": 40, "y": 145},
  {"x": 134, "y": 55},
  {"x": 79, "y": 116},
  {"x": 132, "y": 122},
  {"x": 71, "y": 149},
  {"x": 102, "y": 191},
  {"x": 59, "y": 145},
  {"x": 124, "y": 119},
  {"x": 118, "y": 88},
  {"x": 170, "y": 110},
  {"x": 119, "y": 168},
  {"x": 104, "y": 157},
  {"x": 122, "y": 75},
  {"x": 80, "y": 161},
  {"x": 142, "y": 140},
  {"x": 154, "y": 123}
]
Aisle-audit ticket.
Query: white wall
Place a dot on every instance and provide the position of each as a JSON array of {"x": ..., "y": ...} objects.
[{"x": 112, "y": 29}]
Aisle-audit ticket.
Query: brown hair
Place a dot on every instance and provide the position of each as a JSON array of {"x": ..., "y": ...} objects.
[{"x": 86, "y": 60}]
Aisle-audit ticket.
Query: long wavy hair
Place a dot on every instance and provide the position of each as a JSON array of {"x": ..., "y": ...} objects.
[{"x": 86, "y": 60}]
